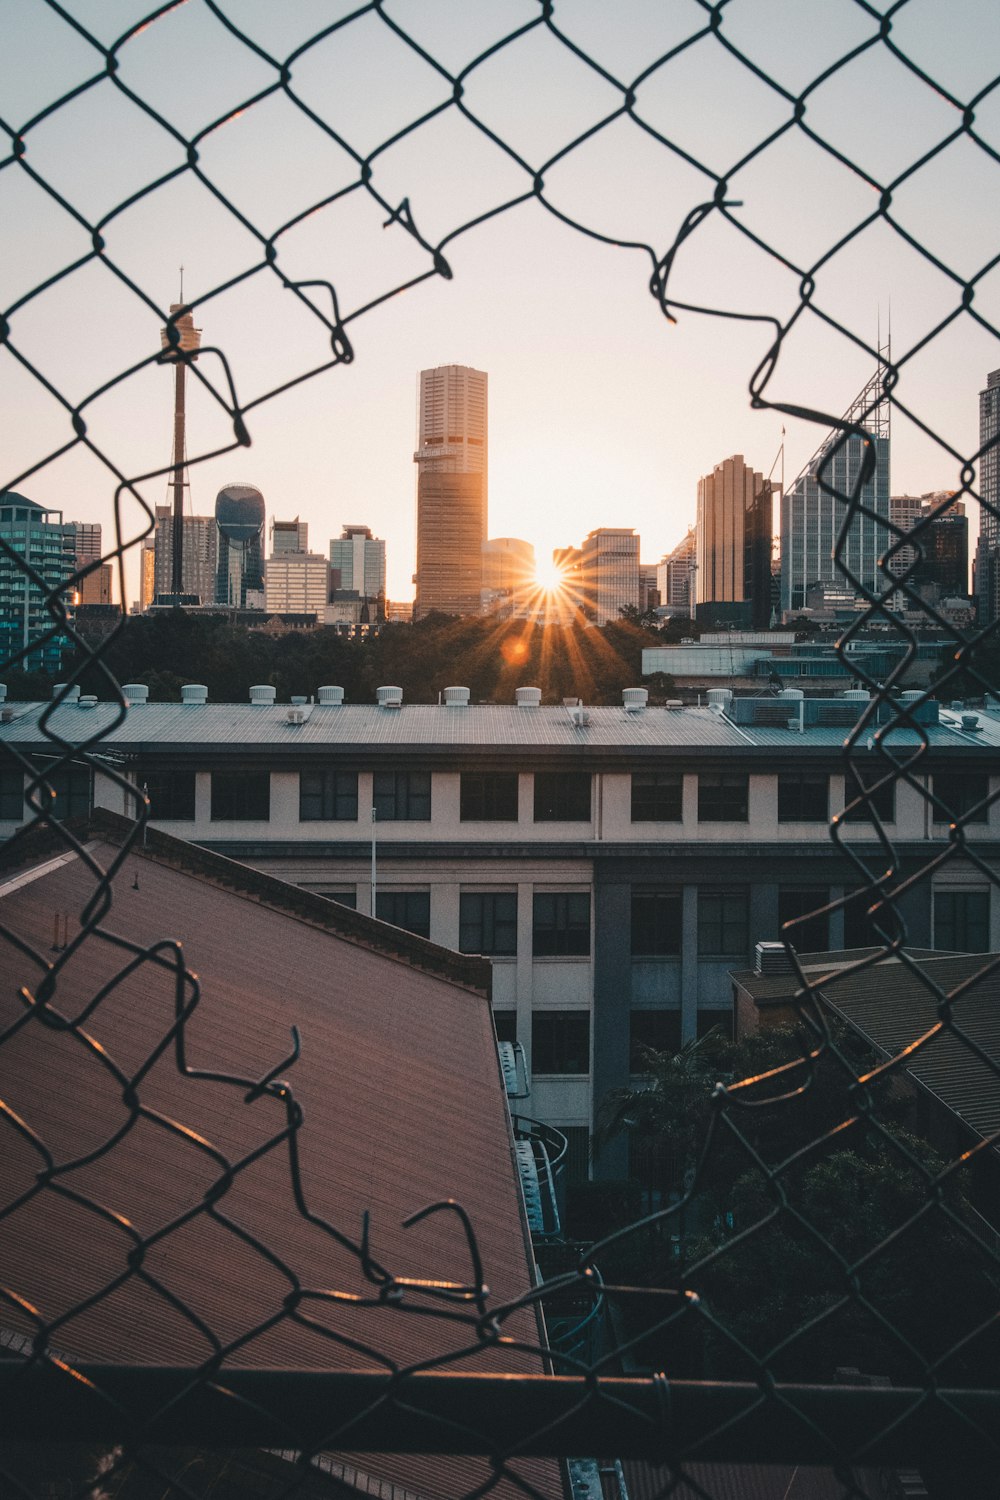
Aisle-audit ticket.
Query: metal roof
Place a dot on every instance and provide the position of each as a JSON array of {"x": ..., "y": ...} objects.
[{"x": 432, "y": 727}]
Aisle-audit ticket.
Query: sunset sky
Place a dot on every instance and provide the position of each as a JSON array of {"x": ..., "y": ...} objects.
[{"x": 601, "y": 411}]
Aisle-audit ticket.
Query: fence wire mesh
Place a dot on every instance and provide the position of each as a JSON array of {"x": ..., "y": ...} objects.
[{"x": 718, "y": 1284}]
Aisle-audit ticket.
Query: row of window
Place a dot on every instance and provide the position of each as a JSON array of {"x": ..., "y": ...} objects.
[
  {"x": 560, "y": 1039},
  {"x": 561, "y": 920},
  {"x": 327, "y": 794}
]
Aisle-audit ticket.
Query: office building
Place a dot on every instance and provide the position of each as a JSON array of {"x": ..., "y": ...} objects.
[
  {"x": 939, "y": 553},
  {"x": 609, "y": 573},
  {"x": 85, "y": 539},
  {"x": 987, "y": 583},
  {"x": 297, "y": 583},
  {"x": 199, "y": 558},
  {"x": 676, "y": 573},
  {"x": 509, "y": 587},
  {"x": 357, "y": 563},
  {"x": 452, "y": 461},
  {"x": 734, "y": 526},
  {"x": 615, "y": 865},
  {"x": 147, "y": 574},
  {"x": 289, "y": 536},
  {"x": 39, "y": 540},
  {"x": 811, "y": 517},
  {"x": 239, "y": 511}
]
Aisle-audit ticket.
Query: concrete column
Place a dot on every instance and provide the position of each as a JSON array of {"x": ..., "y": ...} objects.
[
  {"x": 525, "y": 971},
  {"x": 689, "y": 947},
  {"x": 612, "y": 1004},
  {"x": 445, "y": 905}
]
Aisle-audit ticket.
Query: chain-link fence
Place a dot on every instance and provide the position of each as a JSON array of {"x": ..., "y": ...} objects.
[{"x": 823, "y": 1289}]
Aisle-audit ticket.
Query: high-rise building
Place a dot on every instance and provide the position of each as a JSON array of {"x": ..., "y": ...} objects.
[
  {"x": 297, "y": 583},
  {"x": 811, "y": 518},
  {"x": 199, "y": 559},
  {"x": 147, "y": 574},
  {"x": 452, "y": 461},
  {"x": 734, "y": 526},
  {"x": 609, "y": 572},
  {"x": 357, "y": 563},
  {"x": 40, "y": 541},
  {"x": 945, "y": 545},
  {"x": 239, "y": 511},
  {"x": 289, "y": 536},
  {"x": 988, "y": 549},
  {"x": 508, "y": 576},
  {"x": 180, "y": 341},
  {"x": 85, "y": 539},
  {"x": 676, "y": 573}
]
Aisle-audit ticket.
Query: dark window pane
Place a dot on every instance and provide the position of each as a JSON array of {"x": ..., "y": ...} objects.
[
  {"x": 962, "y": 921},
  {"x": 489, "y": 796},
  {"x": 410, "y": 910},
  {"x": 659, "y": 1030},
  {"x": 560, "y": 1041},
  {"x": 561, "y": 924},
  {"x": 73, "y": 786},
  {"x": 656, "y": 921},
  {"x": 328, "y": 795},
  {"x": 171, "y": 794},
  {"x": 720, "y": 1021},
  {"x": 723, "y": 924},
  {"x": 488, "y": 923},
  {"x": 241, "y": 794},
  {"x": 803, "y": 797},
  {"x": 657, "y": 796},
  {"x": 577, "y": 1159},
  {"x": 402, "y": 796},
  {"x": 505, "y": 1023},
  {"x": 881, "y": 800},
  {"x": 961, "y": 793},
  {"x": 722, "y": 797},
  {"x": 343, "y": 898},
  {"x": 12, "y": 795},
  {"x": 859, "y": 927},
  {"x": 812, "y": 936},
  {"x": 562, "y": 796}
]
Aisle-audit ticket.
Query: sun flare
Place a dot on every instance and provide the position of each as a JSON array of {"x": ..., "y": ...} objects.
[{"x": 549, "y": 577}]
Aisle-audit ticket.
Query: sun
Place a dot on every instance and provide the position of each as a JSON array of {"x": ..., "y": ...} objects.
[{"x": 549, "y": 577}]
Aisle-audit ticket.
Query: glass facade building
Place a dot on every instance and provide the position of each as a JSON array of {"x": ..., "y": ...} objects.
[{"x": 38, "y": 540}]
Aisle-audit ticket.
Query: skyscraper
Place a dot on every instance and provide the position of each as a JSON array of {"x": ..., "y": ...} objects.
[
  {"x": 675, "y": 574},
  {"x": 289, "y": 536},
  {"x": 508, "y": 576},
  {"x": 39, "y": 540},
  {"x": 199, "y": 559},
  {"x": 239, "y": 511},
  {"x": 988, "y": 549},
  {"x": 452, "y": 461},
  {"x": 358, "y": 562},
  {"x": 811, "y": 518},
  {"x": 734, "y": 543},
  {"x": 609, "y": 572}
]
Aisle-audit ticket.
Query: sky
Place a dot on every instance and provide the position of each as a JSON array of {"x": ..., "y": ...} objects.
[{"x": 601, "y": 410}]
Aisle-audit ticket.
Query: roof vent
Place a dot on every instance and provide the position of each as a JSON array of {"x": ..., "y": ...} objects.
[
  {"x": 298, "y": 700},
  {"x": 527, "y": 697},
  {"x": 771, "y": 958},
  {"x": 3, "y": 692},
  {"x": 719, "y": 699},
  {"x": 957, "y": 704},
  {"x": 970, "y": 723},
  {"x": 789, "y": 693},
  {"x": 456, "y": 697},
  {"x": 634, "y": 700},
  {"x": 857, "y": 695},
  {"x": 331, "y": 697},
  {"x": 674, "y": 704},
  {"x": 135, "y": 692},
  {"x": 296, "y": 714},
  {"x": 89, "y": 700},
  {"x": 912, "y": 695},
  {"x": 194, "y": 692},
  {"x": 7, "y": 714},
  {"x": 389, "y": 697},
  {"x": 263, "y": 694},
  {"x": 63, "y": 690}
]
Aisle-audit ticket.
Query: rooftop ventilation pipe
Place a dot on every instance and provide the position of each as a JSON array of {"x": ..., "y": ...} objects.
[
  {"x": 194, "y": 692},
  {"x": 299, "y": 700},
  {"x": 912, "y": 695},
  {"x": 970, "y": 723},
  {"x": 857, "y": 695},
  {"x": 297, "y": 714},
  {"x": 89, "y": 700},
  {"x": 795, "y": 693},
  {"x": 457, "y": 697},
  {"x": 719, "y": 699},
  {"x": 135, "y": 693},
  {"x": 72, "y": 693},
  {"x": 262, "y": 695},
  {"x": 527, "y": 697},
  {"x": 634, "y": 700},
  {"x": 331, "y": 697},
  {"x": 389, "y": 697}
]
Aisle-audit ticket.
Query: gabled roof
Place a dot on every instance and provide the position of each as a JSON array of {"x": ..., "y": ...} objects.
[{"x": 402, "y": 1106}]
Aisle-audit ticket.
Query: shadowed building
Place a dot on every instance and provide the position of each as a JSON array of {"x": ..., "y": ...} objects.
[
  {"x": 452, "y": 461},
  {"x": 239, "y": 511},
  {"x": 734, "y": 544}
]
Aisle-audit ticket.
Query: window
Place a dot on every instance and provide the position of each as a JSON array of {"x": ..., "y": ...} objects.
[
  {"x": 11, "y": 796},
  {"x": 402, "y": 796},
  {"x": 488, "y": 923},
  {"x": 577, "y": 1159},
  {"x": 803, "y": 797},
  {"x": 171, "y": 794},
  {"x": 342, "y": 898},
  {"x": 723, "y": 924},
  {"x": 562, "y": 796},
  {"x": 241, "y": 794},
  {"x": 489, "y": 797},
  {"x": 659, "y": 1030},
  {"x": 505, "y": 1024},
  {"x": 962, "y": 921},
  {"x": 657, "y": 796},
  {"x": 961, "y": 792},
  {"x": 328, "y": 795},
  {"x": 880, "y": 800},
  {"x": 798, "y": 901},
  {"x": 656, "y": 921},
  {"x": 73, "y": 786},
  {"x": 410, "y": 910},
  {"x": 859, "y": 927},
  {"x": 561, "y": 924},
  {"x": 560, "y": 1041},
  {"x": 720, "y": 1021},
  {"x": 722, "y": 797}
]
